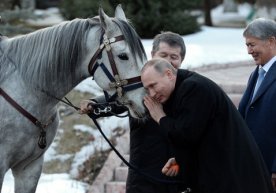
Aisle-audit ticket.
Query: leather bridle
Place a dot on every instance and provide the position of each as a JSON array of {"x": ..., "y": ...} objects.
[
  {"x": 42, "y": 143},
  {"x": 121, "y": 85}
]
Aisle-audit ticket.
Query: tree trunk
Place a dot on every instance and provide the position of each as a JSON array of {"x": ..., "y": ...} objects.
[{"x": 207, "y": 10}]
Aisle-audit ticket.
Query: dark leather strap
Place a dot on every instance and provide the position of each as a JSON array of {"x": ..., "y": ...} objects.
[
  {"x": 18, "y": 107},
  {"x": 112, "y": 63},
  {"x": 100, "y": 49},
  {"x": 42, "y": 143},
  {"x": 93, "y": 60},
  {"x": 134, "y": 80}
]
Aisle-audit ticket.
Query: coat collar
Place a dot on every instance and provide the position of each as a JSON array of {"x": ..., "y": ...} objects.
[
  {"x": 268, "y": 80},
  {"x": 181, "y": 76}
]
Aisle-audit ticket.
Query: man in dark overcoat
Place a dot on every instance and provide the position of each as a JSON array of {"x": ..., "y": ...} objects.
[
  {"x": 149, "y": 151},
  {"x": 213, "y": 146},
  {"x": 258, "y": 104}
]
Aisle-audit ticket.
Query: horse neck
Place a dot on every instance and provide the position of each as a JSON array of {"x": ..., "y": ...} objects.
[{"x": 40, "y": 67}]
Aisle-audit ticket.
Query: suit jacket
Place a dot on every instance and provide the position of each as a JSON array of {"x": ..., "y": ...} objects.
[
  {"x": 214, "y": 147},
  {"x": 260, "y": 114}
]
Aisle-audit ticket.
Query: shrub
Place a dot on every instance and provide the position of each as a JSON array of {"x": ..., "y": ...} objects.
[
  {"x": 151, "y": 17},
  {"x": 148, "y": 17},
  {"x": 71, "y": 9}
]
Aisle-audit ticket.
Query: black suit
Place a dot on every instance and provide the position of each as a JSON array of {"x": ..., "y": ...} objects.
[{"x": 213, "y": 145}]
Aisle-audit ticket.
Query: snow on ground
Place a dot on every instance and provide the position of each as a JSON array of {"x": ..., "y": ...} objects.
[{"x": 209, "y": 46}]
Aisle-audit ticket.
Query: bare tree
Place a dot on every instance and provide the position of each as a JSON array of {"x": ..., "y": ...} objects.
[{"x": 207, "y": 10}]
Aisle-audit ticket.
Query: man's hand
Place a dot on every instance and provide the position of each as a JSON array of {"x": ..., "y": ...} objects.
[
  {"x": 85, "y": 107},
  {"x": 171, "y": 168},
  {"x": 155, "y": 108},
  {"x": 273, "y": 180}
]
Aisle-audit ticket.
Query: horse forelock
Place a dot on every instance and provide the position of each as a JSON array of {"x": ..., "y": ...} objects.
[
  {"x": 50, "y": 54},
  {"x": 132, "y": 38}
]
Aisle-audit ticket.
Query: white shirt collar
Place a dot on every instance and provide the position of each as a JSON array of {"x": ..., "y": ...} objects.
[{"x": 267, "y": 66}]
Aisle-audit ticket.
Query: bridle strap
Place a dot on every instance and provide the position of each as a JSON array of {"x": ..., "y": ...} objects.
[
  {"x": 18, "y": 107},
  {"x": 106, "y": 44},
  {"x": 115, "y": 81},
  {"x": 42, "y": 138},
  {"x": 112, "y": 63}
]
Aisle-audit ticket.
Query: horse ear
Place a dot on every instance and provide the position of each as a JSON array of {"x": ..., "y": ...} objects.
[
  {"x": 106, "y": 21},
  {"x": 119, "y": 13}
]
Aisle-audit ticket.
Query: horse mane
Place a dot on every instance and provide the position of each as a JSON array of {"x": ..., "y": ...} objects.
[
  {"x": 49, "y": 53},
  {"x": 52, "y": 53},
  {"x": 131, "y": 37}
]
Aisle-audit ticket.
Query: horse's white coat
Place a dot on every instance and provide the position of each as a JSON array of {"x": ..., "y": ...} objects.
[{"x": 24, "y": 79}]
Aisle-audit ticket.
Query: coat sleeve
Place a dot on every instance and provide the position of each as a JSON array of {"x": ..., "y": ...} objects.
[{"x": 195, "y": 111}]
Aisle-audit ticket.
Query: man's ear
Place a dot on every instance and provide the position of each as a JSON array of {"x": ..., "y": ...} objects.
[
  {"x": 169, "y": 73},
  {"x": 272, "y": 41}
]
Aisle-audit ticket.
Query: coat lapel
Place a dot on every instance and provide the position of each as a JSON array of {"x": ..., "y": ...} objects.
[
  {"x": 268, "y": 80},
  {"x": 249, "y": 89}
]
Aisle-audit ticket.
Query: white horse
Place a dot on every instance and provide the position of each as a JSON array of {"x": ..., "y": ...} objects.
[{"x": 51, "y": 62}]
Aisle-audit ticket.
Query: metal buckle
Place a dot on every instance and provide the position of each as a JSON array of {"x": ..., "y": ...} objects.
[
  {"x": 98, "y": 110},
  {"x": 106, "y": 43},
  {"x": 118, "y": 85}
]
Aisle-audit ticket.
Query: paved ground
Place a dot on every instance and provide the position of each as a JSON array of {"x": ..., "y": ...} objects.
[{"x": 229, "y": 74}]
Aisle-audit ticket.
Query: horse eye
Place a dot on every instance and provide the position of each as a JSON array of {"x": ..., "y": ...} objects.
[{"x": 123, "y": 56}]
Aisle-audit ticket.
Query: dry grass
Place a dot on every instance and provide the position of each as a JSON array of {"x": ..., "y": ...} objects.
[{"x": 69, "y": 141}]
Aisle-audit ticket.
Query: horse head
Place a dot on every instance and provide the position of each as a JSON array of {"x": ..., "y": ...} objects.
[{"x": 117, "y": 63}]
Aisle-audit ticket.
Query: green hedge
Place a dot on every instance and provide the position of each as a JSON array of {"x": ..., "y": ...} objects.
[
  {"x": 71, "y": 9},
  {"x": 149, "y": 17}
]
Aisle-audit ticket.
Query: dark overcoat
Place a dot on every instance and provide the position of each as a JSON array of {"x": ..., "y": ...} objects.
[
  {"x": 149, "y": 151},
  {"x": 260, "y": 114},
  {"x": 213, "y": 145}
]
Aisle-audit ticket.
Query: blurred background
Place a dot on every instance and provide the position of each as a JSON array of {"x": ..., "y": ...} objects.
[{"x": 148, "y": 17}]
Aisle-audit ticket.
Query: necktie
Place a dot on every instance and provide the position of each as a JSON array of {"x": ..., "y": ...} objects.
[{"x": 261, "y": 73}]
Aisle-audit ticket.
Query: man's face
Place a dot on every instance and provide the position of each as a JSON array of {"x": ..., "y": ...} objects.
[
  {"x": 159, "y": 86},
  {"x": 260, "y": 50},
  {"x": 171, "y": 54}
]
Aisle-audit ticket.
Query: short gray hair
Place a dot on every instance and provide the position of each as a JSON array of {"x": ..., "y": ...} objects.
[
  {"x": 261, "y": 28},
  {"x": 159, "y": 65},
  {"x": 170, "y": 38}
]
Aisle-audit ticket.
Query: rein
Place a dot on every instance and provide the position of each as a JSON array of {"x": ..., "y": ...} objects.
[
  {"x": 131, "y": 166},
  {"x": 42, "y": 143},
  {"x": 98, "y": 109}
]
